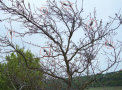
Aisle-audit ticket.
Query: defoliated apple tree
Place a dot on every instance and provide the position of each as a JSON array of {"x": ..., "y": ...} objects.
[{"x": 61, "y": 24}]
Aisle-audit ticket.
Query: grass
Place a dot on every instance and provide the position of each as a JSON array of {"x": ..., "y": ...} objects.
[{"x": 106, "y": 88}]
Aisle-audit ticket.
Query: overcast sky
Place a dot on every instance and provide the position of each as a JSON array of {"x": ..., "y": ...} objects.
[{"x": 104, "y": 8}]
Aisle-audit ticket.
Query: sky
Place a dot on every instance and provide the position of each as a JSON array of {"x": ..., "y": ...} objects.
[{"x": 104, "y": 9}]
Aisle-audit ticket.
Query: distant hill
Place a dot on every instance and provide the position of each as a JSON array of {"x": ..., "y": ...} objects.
[{"x": 107, "y": 80}]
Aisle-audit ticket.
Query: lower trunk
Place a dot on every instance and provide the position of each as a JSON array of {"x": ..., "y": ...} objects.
[{"x": 69, "y": 86}]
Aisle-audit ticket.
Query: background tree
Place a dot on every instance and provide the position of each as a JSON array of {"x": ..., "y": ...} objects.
[
  {"x": 69, "y": 58},
  {"x": 18, "y": 76},
  {"x": 4, "y": 82}
]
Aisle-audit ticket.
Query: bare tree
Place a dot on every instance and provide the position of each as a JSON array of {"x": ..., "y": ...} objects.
[{"x": 58, "y": 25}]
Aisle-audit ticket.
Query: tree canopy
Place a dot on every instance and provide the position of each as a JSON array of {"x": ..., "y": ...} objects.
[{"x": 18, "y": 75}]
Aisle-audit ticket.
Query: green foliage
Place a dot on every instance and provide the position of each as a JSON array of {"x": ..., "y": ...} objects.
[
  {"x": 109, "y": 79},
  {"x": 4, "y": 82},
  {"x": 105, "y": 88},
  {"x": 104, "y": 80},
  {"x": 17, "y": 71}
]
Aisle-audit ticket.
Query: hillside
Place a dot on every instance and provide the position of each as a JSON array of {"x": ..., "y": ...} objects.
[
  {"x": 109, "y": 79},
  {"x": 103, "y": 80}
]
